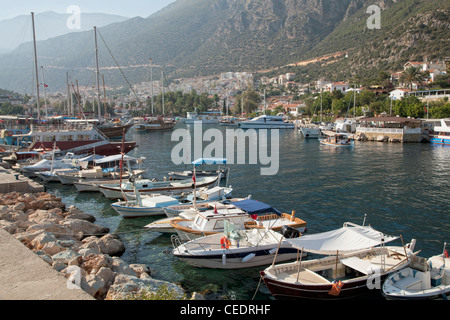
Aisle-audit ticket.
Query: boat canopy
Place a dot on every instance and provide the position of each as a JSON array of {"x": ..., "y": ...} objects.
[
  {"x": 349, "y": 238},
  {"x": 209, "y": 161},
  {"x": 92, "y": 157},
  {"x": 255, "y": 207},
  {"x": 117, "y": 157}
]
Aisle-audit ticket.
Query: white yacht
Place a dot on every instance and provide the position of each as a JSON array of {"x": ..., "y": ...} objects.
[{"x": 266, "y": 122}]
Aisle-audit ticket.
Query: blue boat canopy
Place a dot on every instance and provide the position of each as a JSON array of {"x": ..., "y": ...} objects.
[
  {"x": 209, "y": 161},
  {"x": 255, "y": 207}
]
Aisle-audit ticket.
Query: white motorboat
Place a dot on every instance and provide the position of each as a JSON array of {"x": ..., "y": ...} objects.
[
  {"x": 69, "y": 161},
  {"x": 115, "y": 191},
  {"x": 423, "y": 279},
  {"x": 105, "y": 168},
  {"x": 310, "y": 131},
  {"x": 246, "y": 213},
  {"x": 152, "y": 205},
  {"x": 266, "y": 122},
  {"x": 186, "y": 212},
  {"x": 236, "y": 249},
  {"x": 353, "y": 259},
  {"x": 441, "y": 134},
  {"x": 53, "y": 175}
]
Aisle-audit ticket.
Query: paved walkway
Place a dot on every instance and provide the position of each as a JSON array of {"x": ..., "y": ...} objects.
[{"x": 25, "y": 276}]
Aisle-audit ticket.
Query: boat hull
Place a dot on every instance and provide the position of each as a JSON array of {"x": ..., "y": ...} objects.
[
  {"x": 235, "y": 258},
  {"x": 440, "y": 140},
  {"x": 87, "y": 147},
  {"x": 284, "y": 290}
]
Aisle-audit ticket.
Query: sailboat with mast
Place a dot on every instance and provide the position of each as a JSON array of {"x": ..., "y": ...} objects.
[
  {"x": 77, "y": 136},
  {"x": 158, "y": 123}
]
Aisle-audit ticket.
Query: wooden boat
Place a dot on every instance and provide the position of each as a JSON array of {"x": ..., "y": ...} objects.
[
  {"x": 236, "y": 249},
  {"x": 246, "y": 213},
  {"x": 423, "y": 279},
  {"x": 155, "y": 124},
  {"x": 337, "y": 139},
  {"x": 355, "y": 261}
]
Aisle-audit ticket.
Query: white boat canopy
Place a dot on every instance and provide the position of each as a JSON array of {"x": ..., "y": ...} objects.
[
  {"x": 349, "y": 238},
  {"x": 117, "y": 157}
]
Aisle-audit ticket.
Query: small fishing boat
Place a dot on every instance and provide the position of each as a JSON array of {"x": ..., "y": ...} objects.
[
  {"x": 337, "y": 139},
  {"x": 424, "y": 279},
  {"x": 355, "y": 261},
  {"x": 236, "y": 249},
  {"x": 153, "y": 205}
]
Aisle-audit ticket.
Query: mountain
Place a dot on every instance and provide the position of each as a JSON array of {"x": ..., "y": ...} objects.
[
  {"x": 204, "y": 37},
  {"x": 17, "y": 30}
]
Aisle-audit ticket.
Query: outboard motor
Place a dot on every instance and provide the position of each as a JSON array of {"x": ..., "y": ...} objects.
[{"x": 289, "y": 232}]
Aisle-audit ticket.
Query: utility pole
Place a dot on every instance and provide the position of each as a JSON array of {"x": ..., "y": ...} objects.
[{"x": 98, "y": 76}]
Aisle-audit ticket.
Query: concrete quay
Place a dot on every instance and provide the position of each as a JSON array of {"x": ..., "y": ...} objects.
[
  {"x": 25, "y": 276},
  {"x": 11, "y": 181}
]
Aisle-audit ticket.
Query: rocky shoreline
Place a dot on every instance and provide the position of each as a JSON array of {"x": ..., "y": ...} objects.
[{"x": 85, "y": 253}]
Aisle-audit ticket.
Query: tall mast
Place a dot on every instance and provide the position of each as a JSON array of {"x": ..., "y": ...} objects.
[
  {"x": 98, "y": 76},
  {"x": 45, "y": 96},
  {"x": 36, "y": 66},
  {"x": 151, "y": 81},
  {"x": 162, "y": 90}
]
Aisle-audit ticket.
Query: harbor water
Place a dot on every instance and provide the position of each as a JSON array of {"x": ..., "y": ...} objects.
[{"x": 399, "y": 189}]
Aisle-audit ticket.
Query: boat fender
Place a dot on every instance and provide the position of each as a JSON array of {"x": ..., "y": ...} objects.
[
  {"x": 272, "y": 251},
  {"x": 225, "y": 242},
  {"x": 248, "y": 257},
  {"x": 224, "y": 258}
]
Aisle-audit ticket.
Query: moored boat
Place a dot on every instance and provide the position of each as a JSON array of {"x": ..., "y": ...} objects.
[
  {"x": 423, "y": 279},
  {"x": 441, "y": 134},
  {"x": 266, "y": 122},
  {"x": 355, "y": 261},
  {"x": 236, "y": 249}
]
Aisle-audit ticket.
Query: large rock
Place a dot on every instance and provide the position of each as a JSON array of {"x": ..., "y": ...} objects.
[
  {"x": 43, "y": 216},
  {"x": 65, "y": 256},
  {"x": 75, "y": 213},
  {"x": 86, "y": 228},
  {"x": 126, "y": 286},
  {"x": 111, "y": 244}
]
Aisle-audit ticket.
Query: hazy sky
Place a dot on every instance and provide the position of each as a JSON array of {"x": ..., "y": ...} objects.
[{"x": 127, "y": 8}]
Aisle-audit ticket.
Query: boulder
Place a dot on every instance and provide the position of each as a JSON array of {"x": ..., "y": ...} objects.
[
  {"x": 119, "y": 266},
  {"x": 52, "y": 248},
  {"x": 141, "y": 270},
  {"x": 94, "y": 262},
  {"x": 127, "y": 286},
  {"x": 83, "y": 227},
  {"x": 75, "y": 213},
  {"x": 111, "y": 244},
  {"x": 42, "y": 216},
  {"x": 93, "y": 285},
  {"x": 42, "y": 239},
  {"x": 65, "y": 256},
  {"x": 107, "y": 275}
]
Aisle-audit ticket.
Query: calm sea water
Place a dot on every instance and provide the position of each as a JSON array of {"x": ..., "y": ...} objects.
[{"x": 400, "y": 189}]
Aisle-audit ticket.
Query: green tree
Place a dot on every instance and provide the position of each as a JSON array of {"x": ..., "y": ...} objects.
[{"x": 411, "y": 75}]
